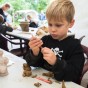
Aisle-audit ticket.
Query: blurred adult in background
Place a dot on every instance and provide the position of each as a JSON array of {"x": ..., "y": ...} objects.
[
  {"x": 9, "y": 20},
  {"x": 42, "y": 16},
  {"x": 32, "y": 23},
  {"x": 3, "y": 10},
  {"x": 3, "y": 30}
]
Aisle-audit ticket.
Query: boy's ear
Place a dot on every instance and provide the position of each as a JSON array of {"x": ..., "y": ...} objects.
[{"x": 71, "y": 23}]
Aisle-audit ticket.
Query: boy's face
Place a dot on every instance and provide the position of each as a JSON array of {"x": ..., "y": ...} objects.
[{"x": 58, "y": 30}]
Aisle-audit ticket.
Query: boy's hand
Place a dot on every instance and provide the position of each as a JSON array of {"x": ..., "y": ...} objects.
[
  {"x": 35, "y": 45},
  {"x": 49, "y": 55}
]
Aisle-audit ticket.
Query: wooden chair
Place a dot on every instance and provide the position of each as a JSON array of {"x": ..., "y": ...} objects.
[{"x": 85, "y": 68}]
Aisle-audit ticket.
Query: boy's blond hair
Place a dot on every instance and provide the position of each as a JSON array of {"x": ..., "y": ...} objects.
[{"x": 59, "y": 10}]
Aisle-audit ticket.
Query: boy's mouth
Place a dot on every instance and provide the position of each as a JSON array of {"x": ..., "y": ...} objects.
[{"x": 53, "y": 35}]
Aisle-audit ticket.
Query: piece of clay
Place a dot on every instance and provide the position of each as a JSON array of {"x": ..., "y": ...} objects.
[
  {"x": 3, "y": 64},
  {"x": 37, "y": 84},
  {"x": 63, "y": 84},
  {"x": 1, "y": 53},
  {"x": 49, "y": 74},
  {"x": 34, "y": 76},
  {"x": 27, "y": 70},
  {"x": 27, "y": 73},
  {"x": 3, "y": 70},
  {"x": 26, "y": 67},
  {"x": 50, "y": 80}
]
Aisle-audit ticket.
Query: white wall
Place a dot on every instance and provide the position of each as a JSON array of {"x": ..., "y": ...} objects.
[
  {"x": 81, "y": 13},
  {"x": 80, "y": 27}
]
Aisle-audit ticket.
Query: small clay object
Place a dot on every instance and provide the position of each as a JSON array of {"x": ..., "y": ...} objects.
[
  {"x": 3, "y": 64},
  {"x": 34, "y": 76},
  {"x": 50, "y": 80},
  {"x": 27, "y": 70},
  {"x": 3, "y": 70},
  {"x": 6, "y": 60},
  {"x": 27, "y": 73},
  {"x": 26, "y": 67},
  {"x": 32, "y": 30},
  {"x": 1, "y": 53},
  {"x": 45, "y": 29},
  {"x": 37, "y": 84},
  {"x": 63, "y": 84},
  {"x": 39, "y": 33},
  {"x": 49, "y": 74},
  {"x": 24, "y": 75}
]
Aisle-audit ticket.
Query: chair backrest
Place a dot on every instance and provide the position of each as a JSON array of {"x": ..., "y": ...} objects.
[
  {"x": 85, "y": 68},
  {"x": 8, "y": 39},
  {"x": 18, "y": 51},
  {"x": 81, "y": 38},
  {"x": 85, "y": 50}
]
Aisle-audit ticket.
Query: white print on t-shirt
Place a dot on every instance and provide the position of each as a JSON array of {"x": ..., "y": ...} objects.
[{"x": 57, "y": 51}]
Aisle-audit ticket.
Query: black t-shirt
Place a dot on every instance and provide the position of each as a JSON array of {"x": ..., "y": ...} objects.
[
  {"x": 33, "y": 24},
  {"x": 70, "y": 58}
]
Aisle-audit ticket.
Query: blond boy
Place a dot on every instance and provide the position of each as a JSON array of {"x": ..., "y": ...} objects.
[{"x": 58, "y": 52}]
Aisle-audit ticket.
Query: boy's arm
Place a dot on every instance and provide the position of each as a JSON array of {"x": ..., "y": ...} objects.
[
  {"x": 33, "y": 60},
  {"x": 70, "y": 70}
]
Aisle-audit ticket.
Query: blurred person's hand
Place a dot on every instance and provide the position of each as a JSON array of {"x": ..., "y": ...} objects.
[
  {"x": 7, "y": 24},
  {"x": 35, "y": 44},
  {"x": 48, "y": 55}
]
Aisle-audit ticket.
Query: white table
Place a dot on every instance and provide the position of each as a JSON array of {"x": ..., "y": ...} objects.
[
  {"x": 23, "y": 35},
  {"x": 15, "y": 79}
]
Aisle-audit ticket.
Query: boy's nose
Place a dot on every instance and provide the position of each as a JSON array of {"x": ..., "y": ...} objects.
[{"x": 53, "y": 28}]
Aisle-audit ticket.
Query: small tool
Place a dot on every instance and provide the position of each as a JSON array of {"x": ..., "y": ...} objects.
[{"x": 42, "y": 79}]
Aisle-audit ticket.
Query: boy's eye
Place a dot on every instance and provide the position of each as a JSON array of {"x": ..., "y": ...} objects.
[
  {"x": 58, "y": 25},
  {"x": 50, "y": 24}
]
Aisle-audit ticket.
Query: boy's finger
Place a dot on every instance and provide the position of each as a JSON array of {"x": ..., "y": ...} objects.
[{"x": 32, "y": 38}]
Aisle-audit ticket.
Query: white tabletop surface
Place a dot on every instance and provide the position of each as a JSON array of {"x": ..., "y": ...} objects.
[
  {"x": 15, "y": 79},
  {"x": 24, "y": 35},
  {"x": 28, "y": 35}
]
